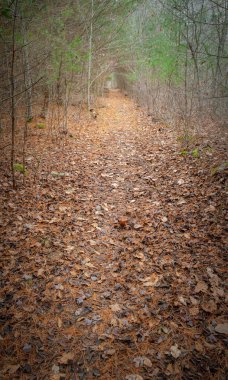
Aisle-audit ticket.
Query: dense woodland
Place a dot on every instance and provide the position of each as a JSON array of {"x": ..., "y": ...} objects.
[
  {"x": 113, "y": 186},
  {"x": 169, "y": 55}
]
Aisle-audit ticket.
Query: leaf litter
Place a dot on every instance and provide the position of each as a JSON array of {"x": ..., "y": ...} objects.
[{"x": 112, "y": 263}]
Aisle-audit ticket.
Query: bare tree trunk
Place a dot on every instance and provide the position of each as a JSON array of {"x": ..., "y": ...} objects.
[
  {"x": 222, "y": 36},
  {"x": 27, "y": 73},
  {"x": 12, "y": 87},
  {"x": 90, "y": 58},
  {"x": 45, "y": 103}
]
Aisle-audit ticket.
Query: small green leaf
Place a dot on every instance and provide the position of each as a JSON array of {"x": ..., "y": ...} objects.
[
  {"x": 19, "y": 168},
  {"x": 195, "y": 153},
  {"x": 40, "y": 125}
]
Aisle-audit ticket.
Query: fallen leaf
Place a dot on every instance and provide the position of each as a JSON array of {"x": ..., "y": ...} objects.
[
  {"x": 40, "y": 272},
  {"x": 69, "y": 191},
  {"x": 151, "y": 281},
  {"x": 141, "y": 361},
  {"x": 137, "y": 226},
  {"x": 201, "y": 287},
  {"x": 199, "y": 347},
  {"x": 147, "y": 362},
  {"x": 194, "y": 310},
  {"x": 182, "y": 300},
  {"x": 194, "y": 301},
  {"x": 122, "y": 222},
  {"x": 209, "y": 306},
  {"x": 92, "y": 242},
  {"x": 115, "y": 307},
  {"x": 139, "y": 255},
  {"x": 11, "y": 368},
  {"x": 222, "y": 328},
  {"x": 110, "y": 352},
  {"x": 175, "y": 352},
  {"x": 55, "y": 369},
  {"x": 66, "y": 357}
]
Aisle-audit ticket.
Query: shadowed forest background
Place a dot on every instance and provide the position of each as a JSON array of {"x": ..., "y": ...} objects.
[
  {"x": 169, "y": 55},
  {"x": 113, "y": 186}
]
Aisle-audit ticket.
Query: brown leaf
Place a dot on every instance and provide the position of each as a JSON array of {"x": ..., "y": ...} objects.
[
  {"x": 175, "y": 352},
  {"x": 151, "y": 281},
  {"x": 40, "y": 272},
  {"x": 199, "y": 347},
  {"x": 194, "y": 310},
  {"x": 222, "y": 328},
  {"x": 122, "y": 222},
  {"x": 201, "y": 287},
  {"x": 60, "y": 323},
  {"x": 209, "y": 306},
  {"x": 66, "y": 357},
  {"x": 139, "y": 255},
  {"x": 11, "y": 368},
  {"x": 115, "y": 307}
]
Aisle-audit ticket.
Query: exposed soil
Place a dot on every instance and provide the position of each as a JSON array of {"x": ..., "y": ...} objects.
[{"x": 113, "y": 261}]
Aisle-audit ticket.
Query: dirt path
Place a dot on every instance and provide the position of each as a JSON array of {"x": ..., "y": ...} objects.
[{"x": 113, "y": 265}]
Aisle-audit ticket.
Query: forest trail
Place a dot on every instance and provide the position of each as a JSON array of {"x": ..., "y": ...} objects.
[{"x": 116, "y": 259}]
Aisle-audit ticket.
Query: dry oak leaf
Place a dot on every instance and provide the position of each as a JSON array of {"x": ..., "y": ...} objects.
[
  {"x": 110, "y": 352},
  {"x": 40, "y": 272},
  {"x": 137, "y": 226},
  {"x": 115, "y": 307},
  {"x": 194, "y": 310},
  {"x": 209, "y": 306},
  {"x": 122, "y": 222},
  {"x": 151, "y": 281},
  {"x": 194, "y": 301},
  {"x": 92, "y": 242},
  {"x": 201, "y": 287},
  {"x": 222, "y": 328},
  {"x": 141, "y": 361},
  {"x": 139, "y": 255},
  {"x": 218, "y": 292},
  {"x": 199, "y": 347},
  {"x": 175, "y": 352},
  {"x": 11, "y": 368},
  {"x": 182, "y": 300},
  {"x": 66, "y": 357}
]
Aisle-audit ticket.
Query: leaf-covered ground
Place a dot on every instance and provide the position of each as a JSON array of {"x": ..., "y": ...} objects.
[{"x": 113, "y": 260}]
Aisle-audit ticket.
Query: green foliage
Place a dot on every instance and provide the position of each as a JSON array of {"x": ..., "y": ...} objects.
[
  {"x": 195, "y": 153},
  {"x": 165, "y": 58},
  {"x": 17, "y": 167},
  {"x": 40, "y": 125},
  {"x": 222, "y": 168},
  {"x": 6, "y": 12}
]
